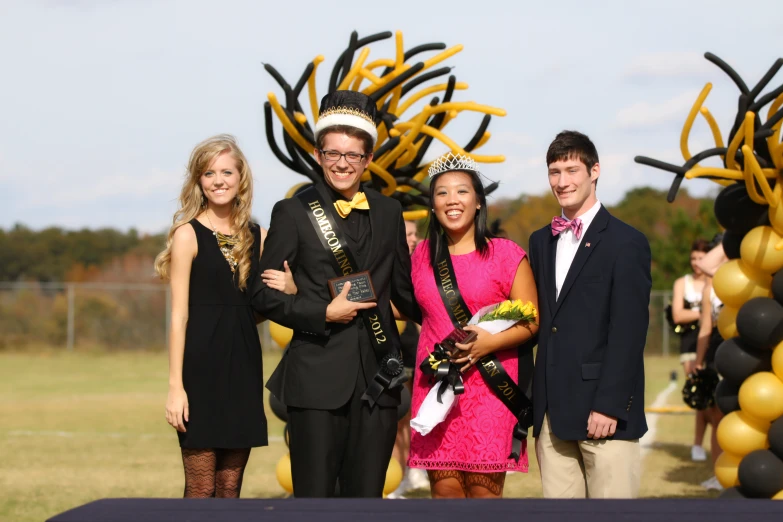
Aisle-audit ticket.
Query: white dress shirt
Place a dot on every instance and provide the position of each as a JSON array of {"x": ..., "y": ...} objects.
[{"x": 568, "y": 244}]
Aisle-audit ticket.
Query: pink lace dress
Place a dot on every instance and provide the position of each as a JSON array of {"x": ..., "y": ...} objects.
[{"x": 477, "y": 434}]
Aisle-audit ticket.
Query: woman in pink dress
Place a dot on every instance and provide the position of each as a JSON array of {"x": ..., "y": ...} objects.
[{"x": 467, "y": 455}]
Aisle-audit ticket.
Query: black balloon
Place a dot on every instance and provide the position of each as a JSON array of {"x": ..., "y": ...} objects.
[
  {"x": 777, "y": 286},
  {"x": 732, "y": 493},
  {"x": 735, "y": 210},
  {"x": 761, "y": 474},
  {"x": 735, "y": 360},
  {"x": 278, "y": 408},
  {"x": 760, "y": 322},
  {"x": 727, "y": 397},
  {"x": 405, "y": 403},
  {"x": 731, "y": 243},
  {"x": 775, "y": 436}
]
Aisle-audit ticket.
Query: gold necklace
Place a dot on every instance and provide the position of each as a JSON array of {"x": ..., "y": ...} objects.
[{"x": 225, "y": 243}]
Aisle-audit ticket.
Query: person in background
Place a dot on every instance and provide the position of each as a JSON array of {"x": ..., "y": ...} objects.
[
  {"x": 413, "y": 478},
  {"x": 707, "y": 344},
  {"x": 713, "y": 259},
  {"x": 686, "y": 310}
]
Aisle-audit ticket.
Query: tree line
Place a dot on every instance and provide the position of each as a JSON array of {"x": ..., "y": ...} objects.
[{"x": 56, "y": 255}]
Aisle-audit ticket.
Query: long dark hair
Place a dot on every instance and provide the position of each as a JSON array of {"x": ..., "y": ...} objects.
[{"x": 481, "y": 233}]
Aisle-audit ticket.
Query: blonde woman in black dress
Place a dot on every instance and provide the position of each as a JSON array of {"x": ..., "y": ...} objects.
[{"x": 215, "y": 398}]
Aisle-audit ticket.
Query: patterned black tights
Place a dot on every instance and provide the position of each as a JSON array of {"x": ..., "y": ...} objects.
[
  {"x": 452, "y": 483},
  {"x": 214, "y": 472}
]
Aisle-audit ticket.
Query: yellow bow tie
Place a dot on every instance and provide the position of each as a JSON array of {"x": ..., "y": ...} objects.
[{"x": 344, "y": 207}]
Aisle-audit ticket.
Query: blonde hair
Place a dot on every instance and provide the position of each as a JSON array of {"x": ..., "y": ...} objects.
[{"x": 192, "y": 203}]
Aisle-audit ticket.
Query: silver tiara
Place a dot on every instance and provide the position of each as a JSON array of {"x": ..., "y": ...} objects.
[{"x": 451, "y": 161}]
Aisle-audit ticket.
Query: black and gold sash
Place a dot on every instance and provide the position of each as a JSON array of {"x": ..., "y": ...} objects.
[
  {"x": 327, "y": 228},
  {"x": 491, "y": 369}
]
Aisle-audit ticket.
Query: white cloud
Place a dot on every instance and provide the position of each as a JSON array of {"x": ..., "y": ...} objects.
[
  {"x": 674, "y": 64},
  {"x": 652, "y": 114}
]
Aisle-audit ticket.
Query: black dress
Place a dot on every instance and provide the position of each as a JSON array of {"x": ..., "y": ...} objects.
[{"x": 222, "y": 370}]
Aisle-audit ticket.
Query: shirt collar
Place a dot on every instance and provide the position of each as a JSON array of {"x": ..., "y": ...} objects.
[
  {"x": 588, "y": 216},
  {"x": 334, "y": 194}
]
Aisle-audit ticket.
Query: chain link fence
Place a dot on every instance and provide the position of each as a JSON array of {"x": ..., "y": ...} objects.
[
  {"x": 88, "y": 316},
  {"x": 136, "y": 317}
]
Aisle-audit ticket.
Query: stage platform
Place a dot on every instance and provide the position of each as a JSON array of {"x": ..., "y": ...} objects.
[{"x": 377, "y": 510}]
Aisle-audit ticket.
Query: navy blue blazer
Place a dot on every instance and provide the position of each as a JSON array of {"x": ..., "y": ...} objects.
[{"x": 591, "y": 339}]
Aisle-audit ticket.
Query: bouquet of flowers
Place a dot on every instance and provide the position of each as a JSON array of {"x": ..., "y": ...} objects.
[
  {"x": 443, "y": 396},
  {"x": 502, "y": 316}
]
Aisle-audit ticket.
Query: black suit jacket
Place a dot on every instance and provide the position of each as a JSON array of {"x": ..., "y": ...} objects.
[
  {"x": 591, "y": 339},
  {"x": 319, "y": 368}
]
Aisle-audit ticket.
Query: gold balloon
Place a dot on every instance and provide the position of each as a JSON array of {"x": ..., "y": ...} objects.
[
  {"x": 415, "y": 215},
  {"x": 727, "y": 322},
  {"x": 761, "y": 396},
  {"x": 735, "y": 283},
  {"x": 776, "y": 218},
  {"x": 777, "y": 361},
  {"x": 726, "y": 469},
  {"x": 280, "y": 334},
  {"x": 283, "y": 472},
  {"x": 740, "y": 434},
  {"x": 401, "y": 326},
  {"x": 393, "y": 476},
  {"x": 758, "y": 250}
]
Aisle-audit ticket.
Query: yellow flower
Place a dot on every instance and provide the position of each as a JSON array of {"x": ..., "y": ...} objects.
[{"x": 504, "y": 307}]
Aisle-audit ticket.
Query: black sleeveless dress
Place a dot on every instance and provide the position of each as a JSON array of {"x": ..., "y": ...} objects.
[{"x": 222, "y": 370}]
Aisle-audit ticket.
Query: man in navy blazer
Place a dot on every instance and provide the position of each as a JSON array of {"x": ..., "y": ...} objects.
[{"x": 593, "y": 277}]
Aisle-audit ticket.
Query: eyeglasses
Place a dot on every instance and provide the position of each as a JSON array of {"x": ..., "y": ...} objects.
[{"x": 350, "y": 157}]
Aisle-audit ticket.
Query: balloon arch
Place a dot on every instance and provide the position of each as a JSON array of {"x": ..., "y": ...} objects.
[{"x": 750, "y": 284}]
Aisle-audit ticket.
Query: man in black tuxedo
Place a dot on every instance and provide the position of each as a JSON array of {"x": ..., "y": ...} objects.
[
  {"x": 342, "y": 374},
  {"x": 593, "y": 277}
]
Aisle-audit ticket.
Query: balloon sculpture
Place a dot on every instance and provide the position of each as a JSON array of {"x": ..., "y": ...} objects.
[
  {"x": 399, "y": 166},
  {"x": 280, "y": 334},
  {"x": 750, "y": 285}
]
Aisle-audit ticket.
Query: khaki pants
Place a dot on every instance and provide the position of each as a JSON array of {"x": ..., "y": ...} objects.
[{"x": 587, "y": 468}]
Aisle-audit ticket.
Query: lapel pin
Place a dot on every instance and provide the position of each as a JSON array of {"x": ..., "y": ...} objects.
[{"x": 587, "y": 245}]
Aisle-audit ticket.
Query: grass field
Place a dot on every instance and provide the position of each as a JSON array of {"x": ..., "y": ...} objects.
[{"x": 82, "y": 426}]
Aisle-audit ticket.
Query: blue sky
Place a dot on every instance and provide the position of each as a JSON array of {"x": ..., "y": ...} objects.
[{"x": 101, "y": 102}]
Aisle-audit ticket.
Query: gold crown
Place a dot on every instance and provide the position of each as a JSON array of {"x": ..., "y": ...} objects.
[{"x": 346, "y": 110}]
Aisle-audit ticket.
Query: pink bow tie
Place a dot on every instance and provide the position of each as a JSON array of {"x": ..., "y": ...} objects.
[{"x": 560, "y": 224}]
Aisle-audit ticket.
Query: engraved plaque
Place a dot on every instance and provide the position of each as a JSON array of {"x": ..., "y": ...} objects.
[
  {"x": 458, "y": 335},
  {"x": 361, "y": 287}
]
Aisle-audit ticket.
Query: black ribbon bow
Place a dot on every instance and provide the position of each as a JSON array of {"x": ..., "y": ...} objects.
[{"x": 439, "y": 366}]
